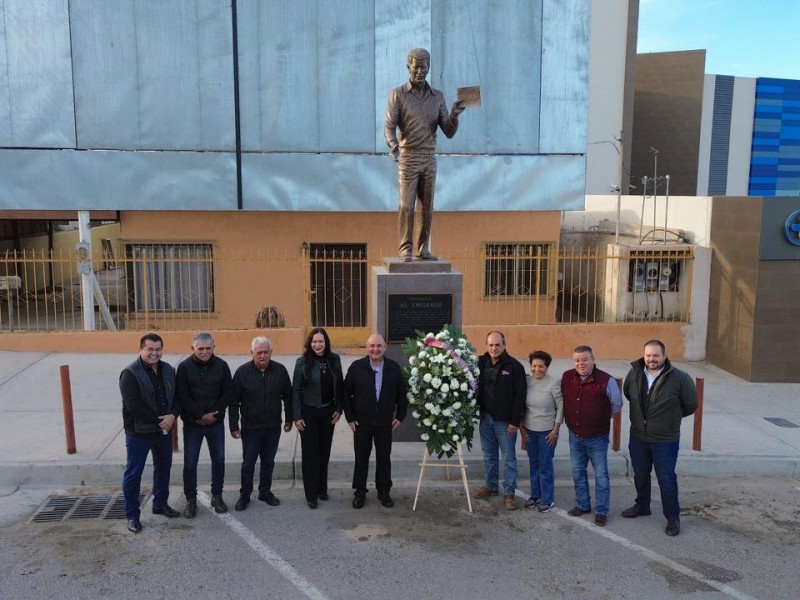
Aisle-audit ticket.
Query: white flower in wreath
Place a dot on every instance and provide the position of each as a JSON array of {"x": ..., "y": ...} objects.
[
  {"x": 424, "y": 437},
  {"x": 415, "y": 414},
  {"x": 429, "y": 392},
  {"x": 435, "y": 382},
  {"x": 427, "y": 377},
  {"x": 414, "y": 371},
  {"x": 464, "y": 386},
  {"x": 436, "y": 410},
  {"x": 447, "y": 372},
  {"x": 473, "y": 402},
  {"x": 427, "y": 422},
  {"x": 445, "y": 388},
  {"x": 447, "y": 412},
  {"x": 412, "y": 360},
  {"x": 429, "y": 406},
  {"x": 434, "y": 427},
  {"x": 456, "y": 405},
  {"x": 455, "y": 438},
  {"x": 446, "y": 447},
  {"x": 454, "y": 383}
]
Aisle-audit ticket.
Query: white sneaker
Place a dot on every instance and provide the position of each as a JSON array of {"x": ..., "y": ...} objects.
[{"x": 543, "y": 508}]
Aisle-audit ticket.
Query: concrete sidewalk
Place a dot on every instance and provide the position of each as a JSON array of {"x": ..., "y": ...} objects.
[{"x": 737, "y": 438}]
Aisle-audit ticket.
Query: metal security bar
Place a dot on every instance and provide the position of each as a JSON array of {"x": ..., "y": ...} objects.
[{"x": 170, "y": 286}]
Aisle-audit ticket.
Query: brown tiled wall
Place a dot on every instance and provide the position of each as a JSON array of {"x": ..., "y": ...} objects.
[
  {"x": 777, "y": 322},
  {"x": 735, "y": 236},
  {"x": 666, "y": 115}
]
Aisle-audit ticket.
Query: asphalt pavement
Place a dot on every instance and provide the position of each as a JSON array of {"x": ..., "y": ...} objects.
[{"x": 747, "y": 428}]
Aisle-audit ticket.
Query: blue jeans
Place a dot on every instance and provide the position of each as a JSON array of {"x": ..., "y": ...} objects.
[
  {"x": 494, "y": 438},
  {"x": 663, "y": 456},
  {"x": 259, "y": 444},
  {"x": 581, "y": 452},
  {"x": 138, "y": 448},
  {"x": 193, "y": 437},
  {"x": 540, "y": 456}
]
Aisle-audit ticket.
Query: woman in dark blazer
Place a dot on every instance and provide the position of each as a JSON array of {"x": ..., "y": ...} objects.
[{"x": 317, "y": 406}]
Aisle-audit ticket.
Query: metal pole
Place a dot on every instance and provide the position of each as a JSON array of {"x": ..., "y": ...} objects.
[
  {"x": 697, "y": 438},
  {"x": 666, "y": 209},
  {"x": 617, "y": 431},
  {"x": 641, "y": 217},
  {"x": 619, "y": 190},
  {"x": 66, "y": 402},
  {"x": 655, "y": 187}
]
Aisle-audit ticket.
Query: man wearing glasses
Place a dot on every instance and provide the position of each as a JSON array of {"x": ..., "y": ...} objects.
[{"x": 149, "y": 411}]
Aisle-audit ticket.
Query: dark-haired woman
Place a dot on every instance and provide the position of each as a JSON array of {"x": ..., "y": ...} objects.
[
  {"x": 544, "y": 411},
  {"x": 317, "y": 406}
]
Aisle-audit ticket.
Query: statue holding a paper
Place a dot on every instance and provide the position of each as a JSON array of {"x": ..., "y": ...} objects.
[{"x": 416, "y": 110}]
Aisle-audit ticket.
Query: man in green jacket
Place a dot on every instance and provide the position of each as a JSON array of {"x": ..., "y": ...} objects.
[{"x": 660, "y": 396}]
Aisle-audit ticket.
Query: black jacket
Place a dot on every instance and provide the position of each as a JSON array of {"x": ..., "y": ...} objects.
[
  {"x": 139, "y": 409},
  {"x": 203, "y": 388},
  {"x": 359, "y": 399},
  {"x": 672, "y": 397},
  {"x": 510, "y": 390},
  {"x": 306, "y": 389},
  {"x": 258, "y": 396}
]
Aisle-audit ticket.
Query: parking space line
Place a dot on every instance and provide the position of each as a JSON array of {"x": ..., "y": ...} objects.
[
  {"x": 667, "y": 562},
  {"x": 265, "y": 552}
]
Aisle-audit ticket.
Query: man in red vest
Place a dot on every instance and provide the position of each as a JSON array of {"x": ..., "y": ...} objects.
[{"x": 591, "y": 398}]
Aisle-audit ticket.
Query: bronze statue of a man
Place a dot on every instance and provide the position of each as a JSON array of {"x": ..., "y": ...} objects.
[{"x": 416, "y": 110}]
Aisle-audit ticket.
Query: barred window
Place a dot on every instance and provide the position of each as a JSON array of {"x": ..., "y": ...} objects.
[
  {"x": 171, "y": 277},
  {"x": 516, "y": 269}
]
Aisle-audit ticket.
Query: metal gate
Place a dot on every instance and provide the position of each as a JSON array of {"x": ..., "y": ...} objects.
[{"x": 338, "y": 285}]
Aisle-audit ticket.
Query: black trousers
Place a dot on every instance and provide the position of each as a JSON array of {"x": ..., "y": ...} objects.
[
  {"x": 365, "y": 436},
  {"x": 316, "y": 443}
]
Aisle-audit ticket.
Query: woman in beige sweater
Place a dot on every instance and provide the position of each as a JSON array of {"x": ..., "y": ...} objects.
[{"x": 544, "y": 411}]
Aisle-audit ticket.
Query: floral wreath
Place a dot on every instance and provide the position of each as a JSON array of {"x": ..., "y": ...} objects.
[{"x": 442, "y": 377}]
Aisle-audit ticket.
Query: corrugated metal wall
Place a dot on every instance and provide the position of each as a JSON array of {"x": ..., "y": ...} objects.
[{"x": 129, "y": 104}]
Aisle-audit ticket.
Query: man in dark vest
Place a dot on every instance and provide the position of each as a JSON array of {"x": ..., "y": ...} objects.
[
  {"x": 149, "y": 410},
  {"x": 591, "y": 398},
  {"x": 660, "y": 396}
]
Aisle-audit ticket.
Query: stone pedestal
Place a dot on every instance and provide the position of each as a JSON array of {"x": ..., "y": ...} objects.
[{"x": 420, "y": 295}]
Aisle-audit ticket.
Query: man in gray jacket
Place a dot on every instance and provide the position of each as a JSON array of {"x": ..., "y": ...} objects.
[{"x": 660, "y": 396}]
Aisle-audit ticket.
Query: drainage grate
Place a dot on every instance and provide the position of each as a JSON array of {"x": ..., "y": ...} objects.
[
  {"x": 67, "y": 507},
  {"x": 780, "y": 422}
]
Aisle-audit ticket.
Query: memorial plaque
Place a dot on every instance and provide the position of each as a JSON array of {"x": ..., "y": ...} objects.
[{"x": 406, "y": 313}]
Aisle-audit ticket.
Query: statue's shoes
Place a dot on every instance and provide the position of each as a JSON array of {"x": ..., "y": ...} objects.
[{"x": 428, "y": 257}]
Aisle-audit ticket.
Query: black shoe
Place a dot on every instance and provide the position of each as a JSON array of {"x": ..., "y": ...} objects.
[
  {"x": 427, "y": 257},
  {"x": 635, "y": 511},
  {"x": 673, "y": 527},
  {"x": 324, "y": 497},
  {"x": 134, "y": 525},
  {"x": 531, "y": 502},
  {"x": 190, "y": 512},
  {"x": 167, "y": 511},
  {"x": 358, "y": 502},
  {"x": 312, "y": 504},
  {"x": 241, "y": 503},
  {"x": 386, "y": 499},
  {"x": 219, "y": 504},
  {"x": 269, "y": 498}
]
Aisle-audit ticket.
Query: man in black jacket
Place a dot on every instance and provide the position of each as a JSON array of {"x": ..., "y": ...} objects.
[
  {"x": 204, "y": 390},
  {"x": 149, "y": 412},
  {"x": 660, "y": 397},
  {"x": 501, "y": 397},
  {"x": 260, "y": 388},
  {"x": 375, "y": 404}
]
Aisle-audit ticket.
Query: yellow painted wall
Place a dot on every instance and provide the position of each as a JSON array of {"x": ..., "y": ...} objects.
[{"x": 240, "y": 293}]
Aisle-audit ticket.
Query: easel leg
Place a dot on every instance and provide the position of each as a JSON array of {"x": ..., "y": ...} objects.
[
  {"x": 464, "y": 476},
  {"x": 421, "y": 474}
]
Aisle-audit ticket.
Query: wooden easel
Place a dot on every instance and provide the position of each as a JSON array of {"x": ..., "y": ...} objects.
[{"x": 425, "y": 464}]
